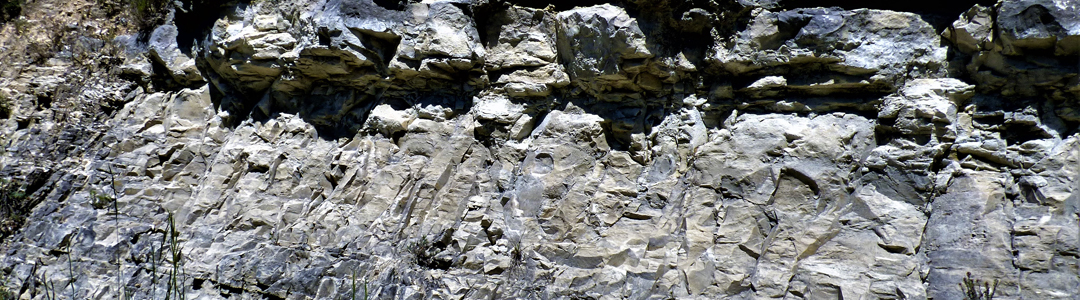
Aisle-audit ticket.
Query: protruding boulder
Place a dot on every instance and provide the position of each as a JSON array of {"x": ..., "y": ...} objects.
[
  {"x": 973, "y": 32},
  {"x": 839, "y": 45},
  {"x": 522, "y": 56},
  {"x": 1039, "y": 25},
  {"x": 926, "y": 106},
  {"x": 602, "y": 47},
  {"x": 164, "y": 50},
  {"x": 388, "y": 121}
]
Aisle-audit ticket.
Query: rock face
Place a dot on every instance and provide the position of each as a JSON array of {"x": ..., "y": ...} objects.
[{"x": 475, "y": 150}]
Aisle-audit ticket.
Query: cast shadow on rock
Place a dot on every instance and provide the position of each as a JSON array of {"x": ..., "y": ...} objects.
[{"x": 337, "y": 112}]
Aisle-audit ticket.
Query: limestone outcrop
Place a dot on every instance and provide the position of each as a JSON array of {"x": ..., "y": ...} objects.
[{"x": 326, "y": 149}]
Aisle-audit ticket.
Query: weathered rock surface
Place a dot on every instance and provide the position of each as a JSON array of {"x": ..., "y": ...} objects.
[
  {"x": 478, "y": 150},
  {"x": 859, "y": 47}
]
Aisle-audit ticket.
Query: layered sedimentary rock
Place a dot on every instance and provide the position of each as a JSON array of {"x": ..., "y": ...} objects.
[{"x": 644, "y": 150}]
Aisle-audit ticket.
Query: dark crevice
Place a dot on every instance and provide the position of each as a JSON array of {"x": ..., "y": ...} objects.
[
  {"x": 229, "y": 291},
  {"x": 396, "y": 137},
  {"x": 161, "y": 76},
  {"x": 988, "y": 121},
  {"x": 258, "y": 169},
  {"x": 1016, "y": 134},
  {"x": 1031, "y": 193},
  {"x": 43, "y": 101},
  {"x": 748, "y": 251},
  {"x": 807, "y": 72},
  {"x": 678, "y": 26},
  {"x": 805, "y": 179},
  {"x": 194, "y": 18},
  {"x": 1012, "y": 131},
  {"x": 939, "y": 161},
  {"x": 865, "y": 110},
  {"x": 326, "y": 37},
  {"x": 398, "y": 5},
  {"x": 618, "y": 140},
  {"x": 804, "y": 107},
  {"x": 397, "y": 103},
  {"x": 380, "y": 47},
  {"x": 483, "y": 133},
  {"x": 489, "y": 18},
  {"x": 426, "y": 256},
  {"x": 494, "y": 75},
  {"x": 716, "y": 118},
  {"x": 787, "y": 28},
  {"x": 560, "y": 5},
  {"x": 893, "y": 249}
]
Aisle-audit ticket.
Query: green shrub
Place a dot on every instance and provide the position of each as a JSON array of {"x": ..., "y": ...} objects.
[
  {"x": 150, "y": 13},
  {"x": 16, "y": 202},
  {"x": 149, "y": 7},
  {"x": 10, "y": 9},
  {"x": 422, "y": 251}
]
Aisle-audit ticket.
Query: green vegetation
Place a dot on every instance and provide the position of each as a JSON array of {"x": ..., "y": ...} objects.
[
  {"x": 10, "y": 9},
  {"x": 17, "y": 200},
  {"x": 166, "y": 260},
  {"x": 353, "y": 294},
  {"x": 423, "y": 251},
  {"x": 149, "y": 7},
  {"x": 175, "y": 286},
  {"x": 146, "y": 13},
  {"x": 5, "y": 293},
  {"x": 150, "y": 13},
  {"x": 975, "y": 289},
  {"x": 100, "y": 201}
]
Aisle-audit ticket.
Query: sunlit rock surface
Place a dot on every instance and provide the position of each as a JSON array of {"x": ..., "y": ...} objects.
[{"x": 501, "y": 150}]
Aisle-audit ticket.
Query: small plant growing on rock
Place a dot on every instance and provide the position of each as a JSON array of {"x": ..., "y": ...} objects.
[
  {"x": 975, "y": 289},
  {"x": 17, "y": 199},
  {"x": 174, "y": 285},
  {"x": 352, "y": 295},
  {"x": 10, "y": 9},
  {"x": 149, "y": 8},
  {"x": 100, "y": 201},
  {"x": 172, "y": 253},
  {"x": 11, "y": 198},
  {"x": 5, "y": 293},
  {"x": 422, "y": 251}
]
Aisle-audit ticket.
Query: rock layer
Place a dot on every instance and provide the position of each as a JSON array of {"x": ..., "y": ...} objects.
[{"x": 457, "y": 149}]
